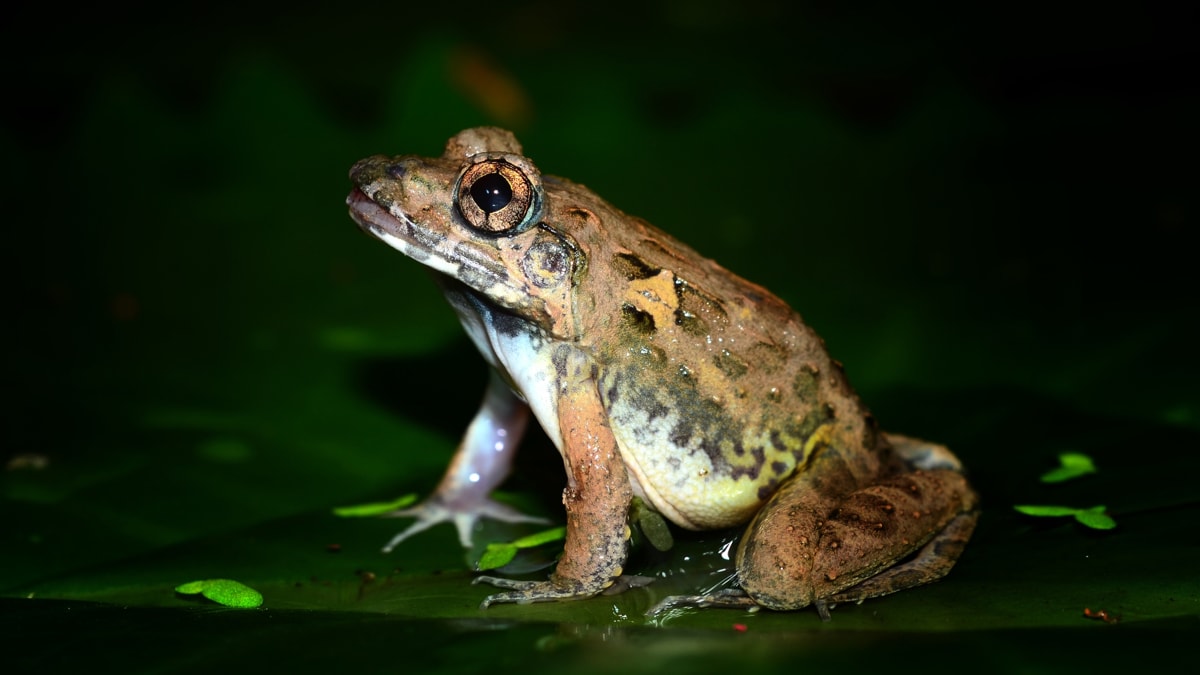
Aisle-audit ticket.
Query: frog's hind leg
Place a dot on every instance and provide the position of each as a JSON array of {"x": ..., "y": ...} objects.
[
  {"x": 935, "y": 559},
  {"x": 932, "y": 562},
  {"x": 807, "y": 548}
]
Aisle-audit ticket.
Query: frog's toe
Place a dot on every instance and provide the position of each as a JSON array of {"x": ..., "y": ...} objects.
[
  {"x": 421, "y": 525},
  {"x": 823, "y": 609},
  {"x": 527, "y": 592},
  {"x": 504, "y": 513},
  {"x": 464, "y": 516},
  {"x": 729, "y": 598},
  {"x": 501, "y": 582},
  {"x": 627, "y": 582}
]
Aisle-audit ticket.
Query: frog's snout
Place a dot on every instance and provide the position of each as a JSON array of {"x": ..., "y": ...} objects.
[
  {"x": 382, "y": 168},
  {"x": 368, "y": 170}
]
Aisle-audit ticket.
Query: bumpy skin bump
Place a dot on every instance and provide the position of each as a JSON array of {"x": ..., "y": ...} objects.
[{"x": 659, "y": 374}]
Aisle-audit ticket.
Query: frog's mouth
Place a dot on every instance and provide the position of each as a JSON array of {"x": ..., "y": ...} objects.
[
  {"x": 401, "y": 233},
  {"x": 375, "y": 220},
  {"x": 454, "y": 258}
]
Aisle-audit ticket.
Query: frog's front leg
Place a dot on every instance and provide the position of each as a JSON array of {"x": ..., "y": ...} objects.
[
  {"x": 597, "y": 499},
  {"x": 482, "y": 461},
  {"x": 807, "y": 546}
]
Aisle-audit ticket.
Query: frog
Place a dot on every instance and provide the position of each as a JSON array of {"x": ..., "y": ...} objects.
[{"x": 658, "y": 375}]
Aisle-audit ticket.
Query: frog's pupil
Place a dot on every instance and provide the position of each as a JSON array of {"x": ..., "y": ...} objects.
[{"x": 492, "y": 192}]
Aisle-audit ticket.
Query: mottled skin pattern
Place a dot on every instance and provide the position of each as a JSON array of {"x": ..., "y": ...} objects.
[{"x": 659, "y": 373}]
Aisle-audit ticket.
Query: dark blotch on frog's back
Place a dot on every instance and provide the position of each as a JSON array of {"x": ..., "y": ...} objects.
[
  {"x": 691, "y": 324},
  {"x": 698, "y": 314},
  {"x": 768, "y": 358},
  {"x": 633, "y": 268},
  {"x": 806, "y": 383},
  {"x": 642, "y": 323},
  {"x": 731, "y": 365}
]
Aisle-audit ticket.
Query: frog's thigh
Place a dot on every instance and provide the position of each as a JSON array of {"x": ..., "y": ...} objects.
[{"x": 809, "y": 549}]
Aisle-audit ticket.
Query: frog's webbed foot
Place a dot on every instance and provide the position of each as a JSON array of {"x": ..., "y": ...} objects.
[
  {"x": 464, "y": 516},
  {"x": 480, "y": 464},
  {"x": 528, "y": 592},
  {"x": 728, "y": 598}
]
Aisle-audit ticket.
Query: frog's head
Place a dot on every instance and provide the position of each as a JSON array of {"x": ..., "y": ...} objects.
[{"x": 474, "y": 215}]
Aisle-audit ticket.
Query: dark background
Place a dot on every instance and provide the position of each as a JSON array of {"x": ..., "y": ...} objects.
[{"x": 986, "y": 211}]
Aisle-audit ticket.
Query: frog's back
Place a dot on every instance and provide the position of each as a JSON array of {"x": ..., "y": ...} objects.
[{"x": 716, "y": 391}]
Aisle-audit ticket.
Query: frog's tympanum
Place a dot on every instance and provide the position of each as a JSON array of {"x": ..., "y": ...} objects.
[{"x": 658, "y": 374}]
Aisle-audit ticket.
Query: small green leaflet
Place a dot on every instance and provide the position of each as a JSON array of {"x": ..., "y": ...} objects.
[
  {"x": 1073, "y": 465},
  {"x": 374, "y": 508},
  {"x": 224, "y": 592},
  {"x": 500, "y": 554},
  {"x": 1094, "y": 517}
]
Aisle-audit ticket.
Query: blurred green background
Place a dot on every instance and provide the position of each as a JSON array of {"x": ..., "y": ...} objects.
[{"x": 985, "y": 212}]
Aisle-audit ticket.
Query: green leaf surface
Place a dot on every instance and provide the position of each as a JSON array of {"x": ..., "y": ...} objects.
[
  {"x": 206, "y": 356},
  {"x": 1073, "y": 465}
]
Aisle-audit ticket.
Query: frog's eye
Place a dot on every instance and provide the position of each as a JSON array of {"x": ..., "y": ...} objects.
[{"x": 497, "y": 198}]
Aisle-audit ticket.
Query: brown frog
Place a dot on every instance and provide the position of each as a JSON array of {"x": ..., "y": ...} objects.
[{"x": 658, "y": 374}]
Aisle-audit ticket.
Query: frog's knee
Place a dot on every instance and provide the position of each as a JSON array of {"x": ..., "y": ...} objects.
[
  {"x": 776, "y": 558},
  {"x": 920, "y": 454}
]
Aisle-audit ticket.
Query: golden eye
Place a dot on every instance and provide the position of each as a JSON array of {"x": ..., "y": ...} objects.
[{"x": 497, "y": 198}]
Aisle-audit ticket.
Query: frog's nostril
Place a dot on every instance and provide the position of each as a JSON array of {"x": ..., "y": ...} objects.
[{"x": 363, "y": 169}]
